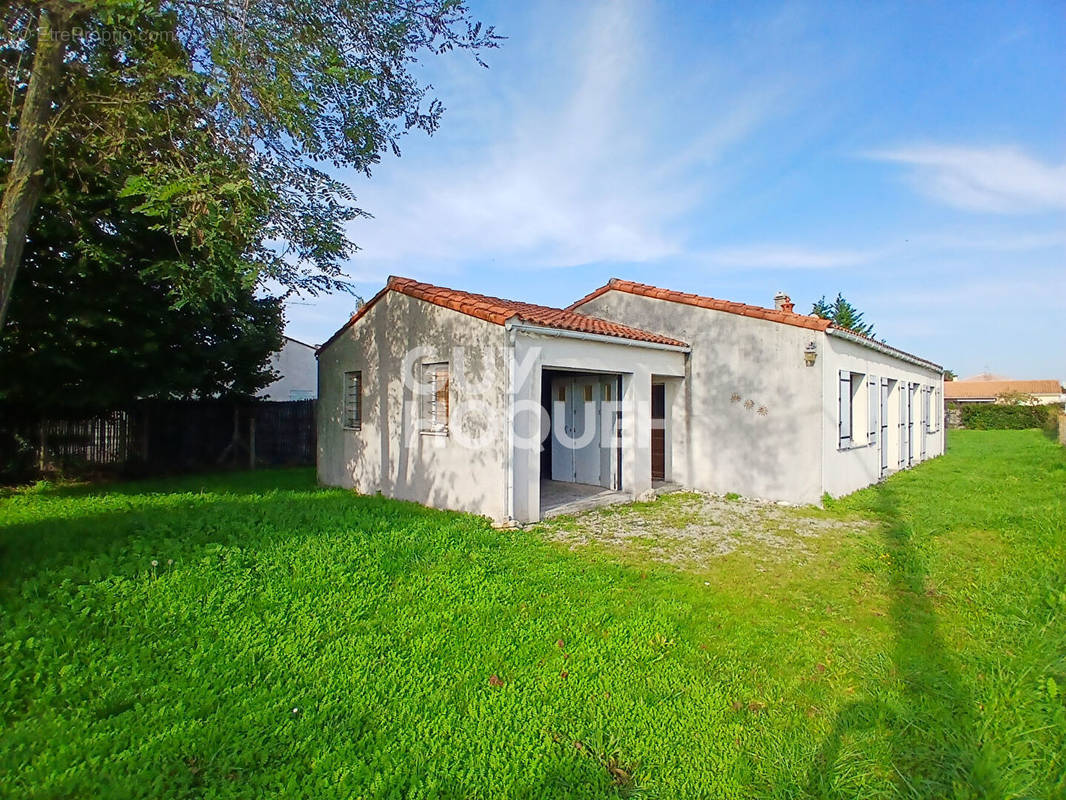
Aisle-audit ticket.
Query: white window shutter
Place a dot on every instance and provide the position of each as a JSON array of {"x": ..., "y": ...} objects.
[
  {"x": 902, "y": 423},
  {"x": 925, "y": 415},
  {"x": 872, "y": 402},
  {"x": 845, "y": 409}
]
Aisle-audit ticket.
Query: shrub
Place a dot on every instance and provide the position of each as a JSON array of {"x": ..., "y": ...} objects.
[{"x": 982, "y": 417}]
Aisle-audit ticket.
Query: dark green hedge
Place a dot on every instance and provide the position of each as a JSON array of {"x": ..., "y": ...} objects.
[{"x": 990, "y": 416}]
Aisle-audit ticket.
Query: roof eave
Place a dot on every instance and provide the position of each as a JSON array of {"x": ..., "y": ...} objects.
[
  {"x": 516, "y": 324},
  {"x": 354, "y": 318},
  {"x": 881, "y": 347},
  {"x": 592, "y": 295}
]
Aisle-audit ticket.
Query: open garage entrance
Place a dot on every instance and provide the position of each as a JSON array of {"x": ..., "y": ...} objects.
[
  {"x": 582, "y": 418},
  {"x": 581, "y": 455}
]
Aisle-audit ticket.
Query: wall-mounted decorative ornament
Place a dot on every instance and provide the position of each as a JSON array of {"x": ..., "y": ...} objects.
[{"x": 810, "y": 354}]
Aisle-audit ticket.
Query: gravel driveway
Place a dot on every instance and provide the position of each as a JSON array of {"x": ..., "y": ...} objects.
[{"x": 691, "y": 528}]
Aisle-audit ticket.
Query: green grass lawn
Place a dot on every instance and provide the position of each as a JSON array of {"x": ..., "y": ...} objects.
[{"x": 251, "y": 635}]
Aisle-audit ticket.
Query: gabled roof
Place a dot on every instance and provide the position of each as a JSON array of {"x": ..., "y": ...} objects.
[
  {"x": 500, "y": 311},
  {"x": 963, "y": 390},
  {"x": 758, "y": 312}
]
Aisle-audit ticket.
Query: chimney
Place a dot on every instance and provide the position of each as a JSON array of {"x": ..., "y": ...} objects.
[{"x": 782, "y": 302}]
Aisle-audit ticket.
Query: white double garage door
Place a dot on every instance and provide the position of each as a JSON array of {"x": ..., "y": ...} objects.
[{"x": 585, "y": 427}]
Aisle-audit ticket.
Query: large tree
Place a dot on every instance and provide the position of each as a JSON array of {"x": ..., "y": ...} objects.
[
  {"x": 229, "y": 112},
  {"x": 96, "y": 325},
  {"x": 842, "y": 313}
]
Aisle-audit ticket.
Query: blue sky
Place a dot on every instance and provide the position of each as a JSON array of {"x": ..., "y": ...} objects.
[{"x": 911, "y": 156}]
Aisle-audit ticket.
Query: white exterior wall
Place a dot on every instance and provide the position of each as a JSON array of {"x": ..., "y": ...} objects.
[
  {"x": 717, "y": 439},
  {"x": 635, "y": 363},
  {"x": 298, "y": 371},
  {"x": 847, "y": 470},
  {"x": 465, "y": 470}
]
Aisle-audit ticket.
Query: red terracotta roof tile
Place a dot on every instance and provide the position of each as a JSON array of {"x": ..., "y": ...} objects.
[
  {"x": 756, "y": 312},
  {"x": 961, "y": 390},
  {"x": 499, "y": 311},
  {"x": 728, "y": 306}
]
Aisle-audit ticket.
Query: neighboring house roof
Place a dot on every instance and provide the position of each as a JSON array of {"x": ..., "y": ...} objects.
[
  {"x": 500, "y": 311},
  {"x": 756, "y": 312},
  {"x": 297, "y": 341},
  {"x": 970, "y": 390}
]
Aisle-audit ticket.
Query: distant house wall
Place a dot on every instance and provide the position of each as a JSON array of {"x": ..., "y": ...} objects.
[
  {"x": 1047, "y": 398},
  {"x": 389, "y": 453},
  {"x": 752, "y": 409},
  {"x": 298, "y": 370},
  {"x": 1037, "y": 399}
]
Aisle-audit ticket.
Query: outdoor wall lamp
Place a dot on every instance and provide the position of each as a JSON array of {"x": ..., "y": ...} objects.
[{"x": 810, "y": 354}]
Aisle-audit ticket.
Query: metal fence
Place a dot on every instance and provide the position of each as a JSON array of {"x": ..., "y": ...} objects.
[{"x": 163, "y": 436}]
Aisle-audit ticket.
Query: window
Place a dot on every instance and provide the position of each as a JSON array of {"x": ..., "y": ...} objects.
[
  {"x": 935, "y": 408},
  {"x": 353, "y": 400},
  {"x": 435, "y": 384},
  {"x": 850, "y": 386}
]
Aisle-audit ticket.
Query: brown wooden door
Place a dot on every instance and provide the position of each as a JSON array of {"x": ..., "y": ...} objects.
[{"x": 658, "y": 432}]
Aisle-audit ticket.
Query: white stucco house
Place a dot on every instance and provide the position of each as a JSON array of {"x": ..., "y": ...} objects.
[
  {"x": 461, "y": 401},
  {"x": 297, "y": 372}
]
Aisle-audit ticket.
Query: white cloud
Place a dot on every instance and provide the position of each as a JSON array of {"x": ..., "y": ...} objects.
[
  {"x": 990, "y": 179},
  {"x": 786, "y": 257},
  {"x": 600, "y": 161}
]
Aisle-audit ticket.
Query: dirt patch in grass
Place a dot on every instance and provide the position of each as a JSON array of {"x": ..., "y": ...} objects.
[{"x": 690, "y": 529}]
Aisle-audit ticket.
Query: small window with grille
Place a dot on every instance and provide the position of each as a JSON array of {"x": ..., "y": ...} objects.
[
  {"x": 353, "y": 400},
  {"x": 435, "y": 403}
]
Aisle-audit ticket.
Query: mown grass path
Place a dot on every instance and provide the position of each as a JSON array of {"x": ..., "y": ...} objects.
[{"x": 301, "y": 642}]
